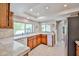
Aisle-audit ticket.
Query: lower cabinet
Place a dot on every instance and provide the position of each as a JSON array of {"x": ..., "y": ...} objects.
[
  {"x": 33, "y": 41},
  {"x": 36, "y": 40},
  {"x": 39, "y": 37},
  {"x": 44, "y": 39},
  {"x": 30, "y": 42},
  {"x": 77, "y": 50}
]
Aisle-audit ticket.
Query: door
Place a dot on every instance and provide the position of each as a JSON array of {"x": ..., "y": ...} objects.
[{"x": 73, "y": 34}]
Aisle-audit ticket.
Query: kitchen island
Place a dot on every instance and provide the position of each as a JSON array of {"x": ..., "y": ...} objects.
[{"x": 13, "y": 48}]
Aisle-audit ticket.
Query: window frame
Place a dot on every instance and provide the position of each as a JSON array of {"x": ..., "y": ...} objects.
[
  {"x": 45, "y": 28},
  {"x": 24, "y": 29},
  {"x": 32, "y": 28}
]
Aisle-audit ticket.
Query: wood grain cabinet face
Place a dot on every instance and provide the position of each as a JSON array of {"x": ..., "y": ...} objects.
[
  {"x": 77, "y": 50},
  {"x": 39, "y": 39},
  {"x": 30, "y": 42},
  {"x": 34, "y": 41},
  {"x": 10, "y": 21},
  {"x": 5, "y": 16},
  {"x": 44, "y": 39}
]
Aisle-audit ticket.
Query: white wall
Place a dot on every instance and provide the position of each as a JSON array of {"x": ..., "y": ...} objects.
[{"x": 62, "y": 37}]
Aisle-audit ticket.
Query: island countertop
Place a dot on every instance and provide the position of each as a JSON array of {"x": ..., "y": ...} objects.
[{"x": 16, "y": 49}]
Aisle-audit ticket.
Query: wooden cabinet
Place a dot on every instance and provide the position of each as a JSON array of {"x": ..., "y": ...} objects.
[
  {"x": 5, "y": 16},
  {"x": 44, "y": 39},
  {"x": 39, "y": 37},
  {"x": 30, "y": 42},
  {"x": 10, "y": 21},
  {"x": 34, "y": 41},
  {"x": 77, "y": 50}
]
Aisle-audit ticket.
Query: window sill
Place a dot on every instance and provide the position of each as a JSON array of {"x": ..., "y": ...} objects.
[
  {"x": 24, "y": 36},
  {"x": 28, "y": 35}
]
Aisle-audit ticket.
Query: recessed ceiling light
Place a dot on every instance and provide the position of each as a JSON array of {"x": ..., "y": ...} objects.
[
  {"x": 37, "y": 13},
  {"x": 42, "y": 17},
  {"x": 47, "y": 7},
  {"x": 28, "y": 17},
  {"x": 31, "y": 9},
  {"x": 65, "y": 5}
]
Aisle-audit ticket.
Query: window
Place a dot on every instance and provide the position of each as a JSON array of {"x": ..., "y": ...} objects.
[
  {"x": 19, "y": 28},
  {"x": 46, "y": 28},
  {"x": 29, "y": 28},
  {"x": 22, "y": 28}
]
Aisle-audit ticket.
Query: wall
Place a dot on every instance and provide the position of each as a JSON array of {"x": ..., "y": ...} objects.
[{"x": 62, "y": 37}]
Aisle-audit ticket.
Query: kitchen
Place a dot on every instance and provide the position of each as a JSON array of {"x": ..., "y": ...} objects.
[{"x": 24, "y": 29}]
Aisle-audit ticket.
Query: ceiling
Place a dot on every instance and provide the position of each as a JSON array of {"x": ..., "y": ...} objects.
[{"x": 44, "y": 11}]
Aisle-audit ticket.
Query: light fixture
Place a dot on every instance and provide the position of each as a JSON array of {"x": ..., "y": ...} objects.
[
  {"x": 28, "y": 17},
  {"x": 31, "y": 9},
  {"x": 65, "y": 5},
  {"x": 47, "y": 7}
]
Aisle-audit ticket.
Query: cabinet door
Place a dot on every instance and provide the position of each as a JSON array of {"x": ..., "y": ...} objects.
[
  {"x": 34, "y": 41},
  {"x": 44, "y": 39},
  {"x": 10, "y": 21},
  {"x": 4, "y": 14},
  {"x": 30, "y": 42},
  {"x": 77, "y": 50},
  {"x": 39, "y": 39}
]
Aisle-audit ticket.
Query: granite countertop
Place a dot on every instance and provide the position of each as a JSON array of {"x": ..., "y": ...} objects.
[
  {"x": 19, "y": 48},
  {"x": 8, "y": 47},
  {"x": 15, "y": 50},
  {"x": 28, "y": 35}
]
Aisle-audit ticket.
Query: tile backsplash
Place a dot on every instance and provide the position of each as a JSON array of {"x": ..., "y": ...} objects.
[{"x": 4, "y": 33}]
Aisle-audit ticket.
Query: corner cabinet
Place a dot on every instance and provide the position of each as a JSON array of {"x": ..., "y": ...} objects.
[
  {"x": 5, "y": 16},
  {"x": 44, "y": 39}
]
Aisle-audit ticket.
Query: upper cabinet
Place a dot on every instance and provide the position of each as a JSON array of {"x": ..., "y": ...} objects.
[
  {"x": 5, "y": 16},
  {"x": 10, "y": 21}
]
